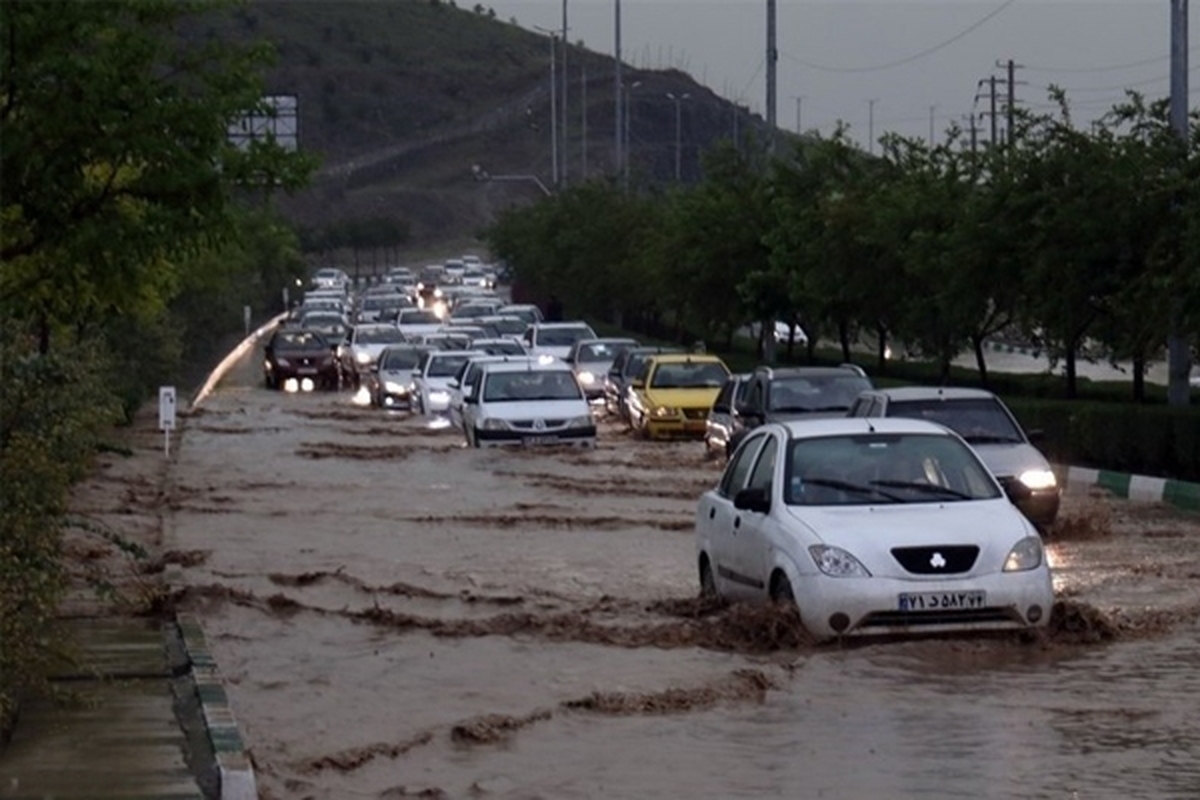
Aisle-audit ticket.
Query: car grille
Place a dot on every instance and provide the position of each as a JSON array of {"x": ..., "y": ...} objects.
[
  {"x": 696, "y": 413},
  {"x": 962, "y": 616},
  {"x": 938, "y": 560},
  {"x": 527, "y": 424}
]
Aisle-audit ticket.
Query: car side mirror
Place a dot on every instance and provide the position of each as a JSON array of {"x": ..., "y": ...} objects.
[
  {"x": 1016, "y": 491},
  {"x": 637, "y": 384},
  {"x": 754, "y": 499},
  {"x": 416, "y": 373},
  {"x": 453, "y": 384}
]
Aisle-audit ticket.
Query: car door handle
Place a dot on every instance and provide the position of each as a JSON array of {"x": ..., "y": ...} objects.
[
  {"x": 712, "y": 512},
  {"x": 737, "y": 522}
]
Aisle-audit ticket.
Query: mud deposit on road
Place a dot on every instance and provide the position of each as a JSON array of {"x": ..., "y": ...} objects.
[{"x": 400, "y": 616}]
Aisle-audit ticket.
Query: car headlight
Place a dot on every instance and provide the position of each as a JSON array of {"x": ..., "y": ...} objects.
[
  {"x": 283, "y": 362},
  {"x": 1038, "y": 479},
  {"x": 493, "y": 424},
  {"x": 581, "y": 422},
  {"x": 587, "y": 378},
  {"x": 665, "y": 411},
  {"x": 362, "y": 357},
  {"x": 391, "y": 387},
  {"x": 1026, "y": 555},
  {"x": 439, "y": 396},
  {"x": 836, "y": 562}
]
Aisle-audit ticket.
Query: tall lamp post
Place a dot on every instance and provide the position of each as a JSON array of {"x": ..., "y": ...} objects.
[
  {"x": 553, "y": 102},
  {"x": 678, "y": 100},
  {"x": 625, "y": 148}
]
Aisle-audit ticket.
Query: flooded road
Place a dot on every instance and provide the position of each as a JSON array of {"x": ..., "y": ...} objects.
[{"x": 399, "y": 616}]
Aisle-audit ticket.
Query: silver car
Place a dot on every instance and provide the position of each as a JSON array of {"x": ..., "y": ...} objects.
[{"x": 982, "y": 419}]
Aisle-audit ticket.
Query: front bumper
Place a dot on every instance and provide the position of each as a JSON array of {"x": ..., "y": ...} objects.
[
  {"x": 676, "y": 428},
  {"x": 579, "y": 437},
  {"x": 1014, "y": 601}
]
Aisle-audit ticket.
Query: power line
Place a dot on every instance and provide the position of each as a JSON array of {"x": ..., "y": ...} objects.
[
  {"x": 907, "y": 59},
  {"x": 1110, "y": 68},
  {"x": 1147, "y": 82}
]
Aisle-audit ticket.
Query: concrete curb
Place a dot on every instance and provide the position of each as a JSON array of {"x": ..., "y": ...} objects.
[
  {"x": 235, "y": 772},
  {"x": 1179, "y": 494},
  {"x": 236, "y": 353}
]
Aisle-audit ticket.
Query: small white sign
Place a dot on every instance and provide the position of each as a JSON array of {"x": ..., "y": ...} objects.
[{"x": 166, "y": 408}]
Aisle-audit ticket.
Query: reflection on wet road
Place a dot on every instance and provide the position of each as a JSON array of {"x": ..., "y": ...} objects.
[{"x": 399, "y": 616}]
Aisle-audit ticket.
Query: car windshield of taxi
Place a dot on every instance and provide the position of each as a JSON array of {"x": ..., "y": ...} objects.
[{"x": 672, "y": 397}]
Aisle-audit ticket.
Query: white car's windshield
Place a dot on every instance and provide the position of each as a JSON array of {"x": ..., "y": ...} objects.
[
  {"x": 528, "y": 385},
  {"x": 385, "y": 335},
  {"x": 863, "y": 469}
]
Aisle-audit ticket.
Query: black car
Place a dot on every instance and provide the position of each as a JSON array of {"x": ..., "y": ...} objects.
[
  {"x": 781, "y": 394},
  {"x": 300, "y": 355}
]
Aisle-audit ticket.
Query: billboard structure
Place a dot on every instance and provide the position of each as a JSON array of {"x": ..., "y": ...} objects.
[{"x": 278, "y": 119}]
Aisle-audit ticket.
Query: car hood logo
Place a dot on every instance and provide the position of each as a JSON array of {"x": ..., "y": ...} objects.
[
  {"x": 937, "y": 562},
  {"x": 539, "y": 424}
]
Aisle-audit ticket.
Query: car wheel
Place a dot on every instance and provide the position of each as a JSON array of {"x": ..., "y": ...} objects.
[
  {"x": 708, "y": 581},
  {"x": 269, "y": 382}
]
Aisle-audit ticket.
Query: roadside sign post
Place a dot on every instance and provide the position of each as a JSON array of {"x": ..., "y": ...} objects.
[
  {"x": 246, "y": 318},
  {"x": 166, "y": 416}
]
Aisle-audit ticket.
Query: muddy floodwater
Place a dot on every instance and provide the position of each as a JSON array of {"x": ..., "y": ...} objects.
[{"x": 400, "y": 616}]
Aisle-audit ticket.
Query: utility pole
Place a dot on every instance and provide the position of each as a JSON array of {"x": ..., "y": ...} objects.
[
  {"x": 992, "y": 81},
  {"x": 566, "y": 159},
  {"x": 617, "y": 87},
  {"x": 772, "y": 58},
  {"x": 1010, "y": 110},
  {"x": 799, "y": 126},
  {"x": 871, "y": 125},
  {"x": 974, "y": 134},
  {"x": 1179, "y": 357},
  {"x": 932, "y": 109}
]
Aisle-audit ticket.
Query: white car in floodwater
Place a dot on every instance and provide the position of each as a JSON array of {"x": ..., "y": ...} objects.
[{"x": 871, "y": 526}]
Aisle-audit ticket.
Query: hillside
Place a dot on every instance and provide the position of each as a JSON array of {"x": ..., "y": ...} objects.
[{"x": 401, "y": 98}]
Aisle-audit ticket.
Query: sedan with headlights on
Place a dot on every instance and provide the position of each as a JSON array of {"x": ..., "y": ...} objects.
[
  {"x": 871, "y": 526},
  {"x": 591, "y": 359}
]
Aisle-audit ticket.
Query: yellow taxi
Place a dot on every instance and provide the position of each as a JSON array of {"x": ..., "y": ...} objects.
[{"x": 671, "y": 397}]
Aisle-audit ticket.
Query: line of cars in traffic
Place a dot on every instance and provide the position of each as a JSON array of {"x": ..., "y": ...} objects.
[{"x": 874, "y": 511}]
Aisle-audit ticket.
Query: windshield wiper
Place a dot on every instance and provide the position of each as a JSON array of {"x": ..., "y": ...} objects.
[
  {"x": 846, "y": 486},
  {"x": 927, "y": 488}
]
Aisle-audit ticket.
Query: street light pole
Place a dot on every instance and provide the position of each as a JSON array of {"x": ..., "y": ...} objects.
[
  {"x": 617, "y": 87},
  {"x": 1179, "y": 357},
  {"x": 553, "y": 103},
  {"x": 932, "y": 109},
  {"x": 628, "y": 149},
  {"x": 565, "y": 81},
  {"x": 678, "y": 100}
]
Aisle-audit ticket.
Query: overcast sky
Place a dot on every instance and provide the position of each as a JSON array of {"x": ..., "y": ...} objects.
[{"x": 909, "y": 56}]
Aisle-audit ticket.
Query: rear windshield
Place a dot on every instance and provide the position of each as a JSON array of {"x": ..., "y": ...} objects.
[
  {"x": 418, "y": 317},
  {"x": 562, "y": 337},
  {"x": 817, "y": 392},
  {"x": 978, "y": 420},
  {"x": 689, "y": 375}
]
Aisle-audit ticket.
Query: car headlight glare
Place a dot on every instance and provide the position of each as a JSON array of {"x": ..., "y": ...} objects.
[
  {"x": 391, "y": 387},
  {"x": 494, "y": 424},
  {"x": 439, "y": 396},
  {"x": 836, "y": 562},
  {"x": 580, "y": 422},
  {"x": 665, "y": 411},
  {"x": 587, "y": 378},
  {"x": 362, "y": 357},
  {"x": 1038, "y": 479},
  {"x": 1025, "y": 555}
]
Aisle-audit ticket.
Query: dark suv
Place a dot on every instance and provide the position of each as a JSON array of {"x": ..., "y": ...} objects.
[
  {"x": 625, "y": 367},
  {"x": 787, "y": 393}
]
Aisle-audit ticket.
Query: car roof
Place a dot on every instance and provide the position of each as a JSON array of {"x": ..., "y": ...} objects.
[
  {"x": 903, "y": 393},
  {"x": 578, "y": 323},
  {"x": 687, "y": 358},
  {"x": 797, "y": 372},
  {"x": 529, "y": 364},
  {"x": 809, "y": 428}
]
